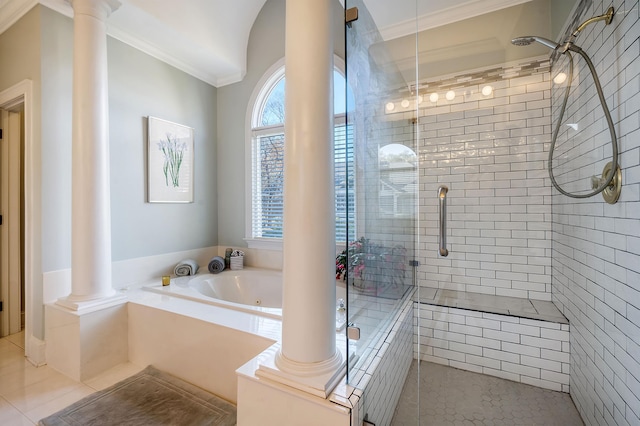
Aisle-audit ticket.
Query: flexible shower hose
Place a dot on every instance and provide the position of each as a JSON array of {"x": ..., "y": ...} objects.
[{"x": 607, "y": 114}]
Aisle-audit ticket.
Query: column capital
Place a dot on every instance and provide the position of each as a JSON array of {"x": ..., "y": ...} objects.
[{"x": 100, "y": 9}]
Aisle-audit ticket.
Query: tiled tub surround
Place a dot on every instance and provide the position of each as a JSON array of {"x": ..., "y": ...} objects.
[{"x": 596, "y": 246}]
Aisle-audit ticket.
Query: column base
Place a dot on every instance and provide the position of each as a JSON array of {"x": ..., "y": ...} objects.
[
  {"x": 271, "y": 397},
  {"x": 318, "y": 379},
  {"x": 84, "y": 341},
  {"x": 90, "y": 305}
]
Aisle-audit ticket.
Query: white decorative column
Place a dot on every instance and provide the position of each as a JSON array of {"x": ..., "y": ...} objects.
[
  {"x": 308, "y": 358},
  {"x": 91, "y": 211},
  {"x": 86, "y": 332}
]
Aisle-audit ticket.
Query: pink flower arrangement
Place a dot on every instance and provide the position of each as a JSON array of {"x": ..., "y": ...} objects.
[
  {"x": 364, "y": 256},
  {"x": 350, "y": 259}
]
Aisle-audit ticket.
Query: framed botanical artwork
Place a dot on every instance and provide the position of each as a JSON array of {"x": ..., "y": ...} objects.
[{"x": 170, "y": 162}]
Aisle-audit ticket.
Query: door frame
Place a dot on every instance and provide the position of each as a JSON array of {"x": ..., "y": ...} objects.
[
  {"x": 11, "y": 229},
  {"x": 22, "y": 93}
]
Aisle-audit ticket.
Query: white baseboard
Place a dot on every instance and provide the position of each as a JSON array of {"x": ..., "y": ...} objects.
[{"x": 35, "y": 351}]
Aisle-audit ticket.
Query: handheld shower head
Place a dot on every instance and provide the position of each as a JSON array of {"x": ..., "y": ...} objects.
[
  {"x": 527, "y": 40},
  {"x": 522, "y": 41}
]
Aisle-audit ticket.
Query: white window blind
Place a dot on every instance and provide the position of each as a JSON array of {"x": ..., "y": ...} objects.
[
  {"x": 267, "y": 162},
  {"x": 268, "y": 181},
  {"x": 268, "y": 185},
  {"x": 344, "y": 181}
]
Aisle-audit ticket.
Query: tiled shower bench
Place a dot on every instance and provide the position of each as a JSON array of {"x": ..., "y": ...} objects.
[{"x": 518, "y": 339}]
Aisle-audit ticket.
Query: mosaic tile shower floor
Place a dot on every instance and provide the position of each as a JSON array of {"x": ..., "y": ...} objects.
[{"x": 449, "y": 396}]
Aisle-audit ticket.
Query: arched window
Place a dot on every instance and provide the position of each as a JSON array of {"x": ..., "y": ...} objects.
[{"x": 265, "y": 217}]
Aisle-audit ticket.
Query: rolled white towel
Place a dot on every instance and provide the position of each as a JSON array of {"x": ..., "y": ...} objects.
[
  {"x": 186, "y": 267},
  {"x": 216, "y": 265}
]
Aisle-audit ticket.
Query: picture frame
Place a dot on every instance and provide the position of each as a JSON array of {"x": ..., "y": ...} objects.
[{"x": 170, "y": 155}]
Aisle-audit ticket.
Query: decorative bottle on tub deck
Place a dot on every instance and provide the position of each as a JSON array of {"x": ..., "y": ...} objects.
[{"x": 227, "y": 257}]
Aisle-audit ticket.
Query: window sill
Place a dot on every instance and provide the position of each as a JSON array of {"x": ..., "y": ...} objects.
[
  {"x": 276, "y": 244},
  {"x": 264, "y": 243}
]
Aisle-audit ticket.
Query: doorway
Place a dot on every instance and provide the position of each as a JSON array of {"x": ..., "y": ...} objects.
[
  {"x": 12, "y": 290},
  {"x": 20, "y": 96}
]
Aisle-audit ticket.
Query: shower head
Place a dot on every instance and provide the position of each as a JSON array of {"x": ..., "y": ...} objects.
[{"x": 527, "y": 40}]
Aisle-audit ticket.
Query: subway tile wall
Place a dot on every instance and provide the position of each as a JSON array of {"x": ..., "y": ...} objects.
[
  {"x": 524, "y": 350},
  {"x": 511, "y": 234},
  {"x": 379, "y": 385},
  {"x": 596, "y": 246},
  {"x": 489, "y": 151}
]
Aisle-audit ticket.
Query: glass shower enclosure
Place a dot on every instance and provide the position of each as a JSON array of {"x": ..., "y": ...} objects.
[
  {"x": 445, "y": 113},
  {"x": 381, "y": 256}
]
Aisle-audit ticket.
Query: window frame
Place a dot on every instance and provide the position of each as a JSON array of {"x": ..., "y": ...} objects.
[{"x": 255, "y": 106}]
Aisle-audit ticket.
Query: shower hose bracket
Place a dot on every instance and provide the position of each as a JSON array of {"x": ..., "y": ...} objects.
[{"x": 611, "y": 193}]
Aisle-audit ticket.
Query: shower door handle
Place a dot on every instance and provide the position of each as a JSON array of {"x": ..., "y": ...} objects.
[{"x": 442, "y": 213}]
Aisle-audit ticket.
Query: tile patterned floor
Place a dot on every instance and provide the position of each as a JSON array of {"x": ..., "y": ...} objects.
[
  {"x": 449, "y": 396},
  {"x": 28, "y": 393}
]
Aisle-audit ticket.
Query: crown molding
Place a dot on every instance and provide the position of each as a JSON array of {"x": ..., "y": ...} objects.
[
  {"x": 166, "y": 57},
  {"x": 446, "y": 16},
  {"x": 12, "y": 10}
]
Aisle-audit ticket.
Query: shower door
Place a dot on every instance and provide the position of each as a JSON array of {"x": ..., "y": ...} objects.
[{"x": 382, "y": 186}]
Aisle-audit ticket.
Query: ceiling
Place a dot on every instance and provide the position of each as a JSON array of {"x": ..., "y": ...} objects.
[
  {"x": 478, "y": 42},
  {"x": 208, "y": 39}
]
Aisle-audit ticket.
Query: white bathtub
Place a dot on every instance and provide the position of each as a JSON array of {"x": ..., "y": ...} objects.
[
  {"x": 252, "y": 290},
  {"x": 221, "y": 335},
  {"x": 261, "y": 288}
]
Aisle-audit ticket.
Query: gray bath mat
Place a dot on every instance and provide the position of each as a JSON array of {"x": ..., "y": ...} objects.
[{"x": 148, "y": 398}]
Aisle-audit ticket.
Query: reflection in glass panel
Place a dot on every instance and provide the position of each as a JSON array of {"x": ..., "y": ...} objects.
[{"x": 398, "y": 180}]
